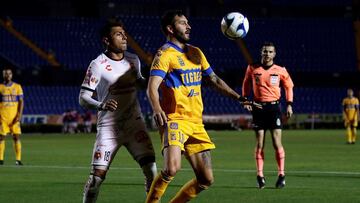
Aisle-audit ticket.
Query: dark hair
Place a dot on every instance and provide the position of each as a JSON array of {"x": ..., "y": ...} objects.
[
  {"x": 110, "y": 23},
  {"x": 168, "y": 19},
  {"x": 268, "y": 44}
]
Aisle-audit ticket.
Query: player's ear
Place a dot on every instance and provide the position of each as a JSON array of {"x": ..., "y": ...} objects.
[
  {"x": 170, "y": 29},
  {"x": 106, "y": 41}
]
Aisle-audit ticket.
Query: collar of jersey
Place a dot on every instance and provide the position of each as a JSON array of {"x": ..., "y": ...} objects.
[
  {"x": 176, "y": 47},
  {"x": 8, "y": 85}
]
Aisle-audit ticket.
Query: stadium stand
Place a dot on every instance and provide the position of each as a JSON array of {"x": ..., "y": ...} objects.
[{"x": 302, "y": 48}]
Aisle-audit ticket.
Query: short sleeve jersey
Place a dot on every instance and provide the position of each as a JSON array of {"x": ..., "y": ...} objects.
[
  {"x": 351, "y": 105},
  {"x": 266, "y": 83},
  {"x": 182, "y": 71},
  {"x": 111, "y": 79},
  {"x": 10, "y": 96}
]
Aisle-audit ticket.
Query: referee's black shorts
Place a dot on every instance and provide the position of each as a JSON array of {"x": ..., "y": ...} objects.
[{"x": 267, "y": 118}]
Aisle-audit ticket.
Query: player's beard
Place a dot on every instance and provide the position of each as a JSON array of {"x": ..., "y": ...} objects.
[{"x": 181, "y": 37}]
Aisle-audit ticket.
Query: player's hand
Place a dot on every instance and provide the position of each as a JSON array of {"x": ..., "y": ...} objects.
[
  {"x": 289, "y": 111},
  {"x": 109, "y": 105},
  {"x": 160, "y": 118},
  {"x": 16, "y": 119},
  {"x": 247, "y": 104}
]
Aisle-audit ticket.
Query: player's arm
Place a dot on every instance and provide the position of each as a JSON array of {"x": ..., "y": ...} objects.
[
  {"x": 246, "y": 86},
  {"x": 154, "y": 98},
  {"x": 217, "y": 83},
  {"x": 86, "y": 100},
  {"x": 91, "y": 81},
  {"x": 19, "y": 110},
  {"x": 289, "y": 93}
]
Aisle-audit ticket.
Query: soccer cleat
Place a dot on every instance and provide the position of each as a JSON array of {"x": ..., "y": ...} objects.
[
  {"x": 260, "y": 182},
  {"x": 280, "y": 183},
  {"x": 1, "y": 162},
  {"x": 18, "y": 163}
]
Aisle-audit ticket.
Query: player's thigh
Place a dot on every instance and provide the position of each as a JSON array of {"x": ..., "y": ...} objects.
[
  {"x": 138, "y": 142},
  {"x": 199, "y": 140},
  {"x": 260, "y": 138},
  {"x": 176, "y": 133},
  {"x": 16, "y": 129},
  {"x": 106, "y": 146},
  {"x": 202, "y": 166},
  {"x": 4, "y": 128}
]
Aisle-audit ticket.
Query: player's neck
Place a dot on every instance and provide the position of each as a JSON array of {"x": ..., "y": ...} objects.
[
  {"x": 177, "y": 43},
  {"x": 114, "y": 56},
  {"x": 7, "y": 82}
]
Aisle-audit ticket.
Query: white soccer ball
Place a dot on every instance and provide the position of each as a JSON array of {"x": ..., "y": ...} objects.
[{"x": 234, "y": 25}]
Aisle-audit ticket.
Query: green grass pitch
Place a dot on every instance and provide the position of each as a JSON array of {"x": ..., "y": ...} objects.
[{"x": 320, "y": 168}]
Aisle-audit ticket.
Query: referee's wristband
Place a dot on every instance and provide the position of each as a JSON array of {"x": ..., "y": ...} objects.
[{"x": 289, "y": 103}]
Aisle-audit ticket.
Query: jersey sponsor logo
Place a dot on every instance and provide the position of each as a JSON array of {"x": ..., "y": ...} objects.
[
  {"x": 97, "y": 154},
  {"x": 274, "y": 79},
  {"x": 192, "y": 93},
  {"x": 181, "y": 62},
  {"x": 278, "y": 122},
  {"x": 88, "y": 76},
  {"x": 93, "y": 80},
  {"x": 174, "y": 126},
  {"x": 173, "y": 136},
  {"x": 156, "y": 61},
  {"x": 108, "y": 68}
]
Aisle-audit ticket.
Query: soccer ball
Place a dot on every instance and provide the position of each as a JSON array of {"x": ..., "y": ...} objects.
[{"x": 234, "y": 25}]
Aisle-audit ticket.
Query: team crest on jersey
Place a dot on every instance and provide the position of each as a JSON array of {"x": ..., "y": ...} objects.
[
  {"x": 257, "y": 78},
  {"x": 174, "y": 126},
  {"x": 181, "y": 62}
]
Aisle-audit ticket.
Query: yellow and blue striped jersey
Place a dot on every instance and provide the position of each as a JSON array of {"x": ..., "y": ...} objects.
[
  {"x": 10, "y": 96},
  {"x": 182, "y": 71},
  {"x": 351, "y": 107}
]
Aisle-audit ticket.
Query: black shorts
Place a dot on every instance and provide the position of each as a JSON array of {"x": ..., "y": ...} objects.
[{"x": 267, "y": 118}]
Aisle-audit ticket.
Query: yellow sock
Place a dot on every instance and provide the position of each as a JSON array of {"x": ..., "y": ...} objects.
[
  {"x": 17, "y": 148},
  {"x": 158, "y": 187},
  {"x": 2, "y": 149},
  {"x": 189, "y": 191},
  {"x": 348, "y": 133},
  {"x": 354, "y": 135}
]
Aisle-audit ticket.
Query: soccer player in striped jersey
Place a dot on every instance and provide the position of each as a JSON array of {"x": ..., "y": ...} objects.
[
  {"x": 11, "y": 109},
  {"x": 178, "y": 70},
  {"x": 350, "y": 115},
  {"x": 265, "y": 80},
  {"x": 113, "y": 76}
]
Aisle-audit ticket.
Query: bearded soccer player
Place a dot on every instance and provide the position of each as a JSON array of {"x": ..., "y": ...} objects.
[
  {"x": 350, "y": 115},
  {"x": 178, "y": 70},
  {"x": 113, "y": 76},
  {"x": 11, "y": 109},
  {"x": 265, "y": 81}
]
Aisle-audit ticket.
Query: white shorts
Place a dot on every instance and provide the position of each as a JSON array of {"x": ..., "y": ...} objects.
[{"x": 133, "y": 135}]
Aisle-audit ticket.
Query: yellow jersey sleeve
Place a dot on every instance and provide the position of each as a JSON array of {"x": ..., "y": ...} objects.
[
  {"x": 160, "y": 64},
  {"x": 205, "y": 66}
]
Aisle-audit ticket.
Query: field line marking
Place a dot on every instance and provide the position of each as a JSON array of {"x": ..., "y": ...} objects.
[{"x": 189, "y": 169}]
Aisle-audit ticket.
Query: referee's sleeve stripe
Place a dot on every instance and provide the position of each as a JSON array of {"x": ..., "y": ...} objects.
[{"x": 86, "y": 88}]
